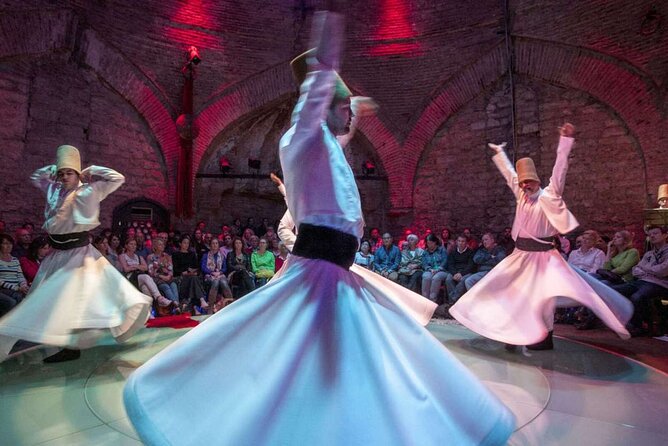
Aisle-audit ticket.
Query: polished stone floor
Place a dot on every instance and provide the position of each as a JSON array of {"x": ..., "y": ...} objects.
[{"x": 573, "y": 395}]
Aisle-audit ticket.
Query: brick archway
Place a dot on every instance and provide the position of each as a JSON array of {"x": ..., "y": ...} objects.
[
  {"x": 40, "y": 32},
  {"x": 622, "y": 88}
]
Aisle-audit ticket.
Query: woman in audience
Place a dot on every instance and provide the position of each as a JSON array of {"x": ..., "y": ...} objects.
[
  {"x": 619, "y": 261},
  {"x": 410, "y": 268},
  {"x": 246, "y": 239},
  {"x": 38, "y": 249},
  {"x": 13, "y": 285},
  {"x": 136, "y": 271},
  {"x": 214, "y": 267},
  {"x": 114, "y": 250},
  {"x": 447, "y": 240},
  {"x": 186, "y": 271},
  {"x": 161, "y": 269},
  {"x": 239, "y": 269},
  {"x": 101, "y": 243},
  {"x": 263, "y": 263},
  {"x": 363, "y": 257},
  {"x": 433, "y": 263}
]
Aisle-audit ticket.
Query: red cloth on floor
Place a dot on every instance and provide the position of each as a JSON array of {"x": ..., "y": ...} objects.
[{"x": 176, "y": 321}]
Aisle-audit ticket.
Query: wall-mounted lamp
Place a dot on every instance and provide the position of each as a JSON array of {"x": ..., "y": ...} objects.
[{"x": 224, "y": 165}]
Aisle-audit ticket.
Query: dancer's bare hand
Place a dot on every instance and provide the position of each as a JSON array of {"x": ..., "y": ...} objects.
[
  {"x": 277, "y": 181},
  {"x": 363, "y": 106},
  {"x": 567, "y": 130},
  {"x": 498, "y": 148}
]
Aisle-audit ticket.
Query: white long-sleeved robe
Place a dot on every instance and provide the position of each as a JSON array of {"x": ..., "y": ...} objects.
[
  {"x": 77, "y": 294},
  {"x": 515, "y": 302}
]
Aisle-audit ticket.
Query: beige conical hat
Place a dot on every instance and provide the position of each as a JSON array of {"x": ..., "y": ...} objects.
[
  {"x": 526, "y": 170},
  {"x": 67, "y": 157},
  {"x": 663, "y": 191},
  {"x": 300, "y": 68}
]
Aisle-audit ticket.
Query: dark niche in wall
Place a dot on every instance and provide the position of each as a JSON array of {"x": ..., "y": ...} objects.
[{"x": 140, "y": 212}]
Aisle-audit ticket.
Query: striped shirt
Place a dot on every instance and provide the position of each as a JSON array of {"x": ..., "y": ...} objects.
[{"x": 11, "y": 275}]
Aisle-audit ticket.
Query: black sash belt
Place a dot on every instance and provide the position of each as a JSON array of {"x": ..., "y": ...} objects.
[
  {"x": 320, "y": 242},
  {"x": 528, "y": 244},
  {"x": 73, "y": 240}
]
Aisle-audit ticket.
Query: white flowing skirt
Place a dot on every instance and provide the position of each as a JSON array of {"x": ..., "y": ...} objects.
[
  {"x": 76, "y": 298},
  {"x": 512, "y": 302},
  {"x": 318, "y": 356}
]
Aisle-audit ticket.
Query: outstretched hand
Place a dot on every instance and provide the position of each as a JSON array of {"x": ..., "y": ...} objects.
[
  {"x": 498, "y": 148},
  {"x": 567, "y": 130},
  {"x": 363, "y": 106},
  {"x": 277, "y": 181}
]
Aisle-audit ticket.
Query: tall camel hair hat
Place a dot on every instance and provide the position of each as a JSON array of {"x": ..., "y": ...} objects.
[
  {"x": 663, "y": 191},
  {"x": 67, "y": 157},
  {"x": 526, "y": 170},
  {"x": 299, "y": 67}
]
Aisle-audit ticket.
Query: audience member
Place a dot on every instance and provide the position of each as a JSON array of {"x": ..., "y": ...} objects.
[
  {"x": 447, "y": 240},
  {"x": 13, "y": 285},
  {"x": 214, "y": 267},
  {"x": 485, "y": 258},
  {"x": 460, "y": 265},
  {"x": 471, "y": 241},
  {"x": 363, "y": 257},
  {"x": 161, "y": 269},
  {"x": 620, "y": 259},
  {"x": 434, "y": 261},
  {"x": 22, "y": 244},
  {"x": 506, "y": 241},
  {"x": 282, "y": 255},
  {"x": 375, "y": 240},
  {"x": 650, "y": 279},
  {"x": 263, "y": 263},
  {"x": 386, "y": 259},
  {"x": 39, "y": 248},
  {"x": 135, "y": 269},
  {"x": 239, "y": 269},
  {"x": 410, "y": 267},
  {"x": 186, "y": 273},
  {"x": 587, "y": 257}
]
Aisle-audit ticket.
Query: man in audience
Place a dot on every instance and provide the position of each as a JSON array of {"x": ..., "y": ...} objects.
[
  {"x": 471, "y": 241},
  {"x": 142, "y": 250},
  {"x": 587, "y": 257},
  {"x": 506, "y": 241},
  {"x": 375, "y": 241},
  {"x": 650, "y": 279},
  {"x": 486, "y": 257},
  {"x": 387, "y": 258},
  {"x": 22, "y": 245},
  {"x": 410, "y": 268},
  {"x": 460, "y": 265}
]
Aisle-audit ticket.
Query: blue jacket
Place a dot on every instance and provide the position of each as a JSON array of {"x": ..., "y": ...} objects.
[
  {"x": 384, "y": 260},
  {"x": 434, "y": 260}
]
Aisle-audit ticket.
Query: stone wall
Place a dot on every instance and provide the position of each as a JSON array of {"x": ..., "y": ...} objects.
[
  {"x": 457, "y": 185},
  {"x": 52, "y": 102}
]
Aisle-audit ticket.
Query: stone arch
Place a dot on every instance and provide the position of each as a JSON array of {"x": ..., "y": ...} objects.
[
  {"x": 625, "y": 90},
  {"x": 37, "y": 32}
]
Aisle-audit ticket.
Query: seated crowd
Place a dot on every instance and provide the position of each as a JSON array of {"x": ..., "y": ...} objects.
[{"x": 202, "y": 272}]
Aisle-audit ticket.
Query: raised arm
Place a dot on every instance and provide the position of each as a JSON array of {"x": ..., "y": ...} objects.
[
  {"x": 558, "y": 178},
  {"x": 108, "y": 180},
  {"x": 44, "y": 177},
  {"x": 317, "y": 90},
  {"x": 506, "y": 168}
]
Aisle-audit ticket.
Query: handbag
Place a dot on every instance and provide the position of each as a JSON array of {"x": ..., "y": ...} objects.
[{"x": 608, "y": 275}]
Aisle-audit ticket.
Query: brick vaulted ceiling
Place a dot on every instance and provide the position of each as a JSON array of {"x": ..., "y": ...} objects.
[{"x": 421, "y": 60}]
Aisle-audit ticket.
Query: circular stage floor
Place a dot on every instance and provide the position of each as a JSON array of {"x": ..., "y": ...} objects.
[{"x": 572, "y": 395}]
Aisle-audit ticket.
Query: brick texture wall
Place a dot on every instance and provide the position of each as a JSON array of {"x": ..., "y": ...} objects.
[{"x": 107, "y": 74}]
